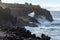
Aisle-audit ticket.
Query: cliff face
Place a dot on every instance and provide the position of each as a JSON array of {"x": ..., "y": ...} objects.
[
  {"x": 18, "y": 14},
  {"x": 43, "y": 12}
]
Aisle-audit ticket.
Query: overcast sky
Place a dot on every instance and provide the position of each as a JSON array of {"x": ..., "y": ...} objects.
[{"x": 44, "y": 3}]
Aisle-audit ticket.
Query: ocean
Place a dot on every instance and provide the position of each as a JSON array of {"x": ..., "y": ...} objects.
[{"x": 51, "y": 29}]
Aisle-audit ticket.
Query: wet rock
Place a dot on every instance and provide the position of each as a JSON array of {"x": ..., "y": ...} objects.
[
  {"x": 43, "y": 12},
  {"x": 26, "y": 22},
  {"x": 23, "y": 34}
]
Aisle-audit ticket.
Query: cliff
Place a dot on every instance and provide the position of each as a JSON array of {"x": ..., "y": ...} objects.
[{"x": 17, "y": 14}]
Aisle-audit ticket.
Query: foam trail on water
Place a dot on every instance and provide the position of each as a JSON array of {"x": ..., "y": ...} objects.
[{"x": 43, "y": 21}]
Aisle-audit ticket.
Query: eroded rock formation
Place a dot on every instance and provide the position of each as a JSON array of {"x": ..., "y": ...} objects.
[
  {"x": 45, "y": 13},
  {"x": 17, "y": 14}
]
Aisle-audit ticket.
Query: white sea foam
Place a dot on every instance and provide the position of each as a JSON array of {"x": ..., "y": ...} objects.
[{"x": 51, "y": 29}]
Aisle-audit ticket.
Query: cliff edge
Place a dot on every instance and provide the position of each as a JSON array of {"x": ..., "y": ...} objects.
[{"x": 17, "y": 14}]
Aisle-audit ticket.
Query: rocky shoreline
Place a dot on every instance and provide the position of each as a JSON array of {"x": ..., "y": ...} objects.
[
  {"x": 23, "y": 34},
  {"x": 14, "y": 17}
]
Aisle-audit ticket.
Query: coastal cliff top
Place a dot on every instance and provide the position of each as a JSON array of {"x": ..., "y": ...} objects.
[{"x": 21, "y": 5}]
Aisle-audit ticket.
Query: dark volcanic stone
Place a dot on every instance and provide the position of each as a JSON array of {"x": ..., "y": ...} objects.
[{"x": 17, "y": 14}]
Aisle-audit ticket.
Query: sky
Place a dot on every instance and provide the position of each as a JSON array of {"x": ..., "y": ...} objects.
[{"x": 48, "y": 4}]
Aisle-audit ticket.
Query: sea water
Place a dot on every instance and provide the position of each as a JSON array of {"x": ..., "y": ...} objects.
[{"x": 51, "y": 29}]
